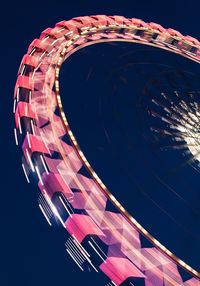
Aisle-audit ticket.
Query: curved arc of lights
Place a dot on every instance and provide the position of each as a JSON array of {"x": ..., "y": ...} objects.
[
  {"x": 66, "y": 38},
  {"x": 63, "y": 56}
]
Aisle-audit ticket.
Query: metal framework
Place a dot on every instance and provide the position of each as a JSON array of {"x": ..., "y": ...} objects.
[{"x": 51, "y": 153}]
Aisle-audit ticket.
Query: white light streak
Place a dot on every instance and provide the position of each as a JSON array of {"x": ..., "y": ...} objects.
[
  {"x": 65, "y": 206},
  {"x": 82, "y": 249},
  {"x": 32, "y": 127},
  {"x": 54, "y": 210},
  {"x": 39, "y": 176},
  {"x": 44, "y": 203},
  {"x": 76, "y": 254},
  {"x": 19, "y": 123},
  {"x": 16, "y": 139},
  {"x": 14, "y": 106},
  {"x": 42, "y": 210},
  {"x": 43, "y": 163},
  {"x": 99, "y": 247},
  {"x": 69, "y": 243},
  {"x": 30, "y": 161},
  {"x": 96, "y": 250},
  {"x": 25, "y": 173},
  {"x": 28, "y": 138},
  {"x": 74, "y": 259},
  {"x": 68, "y": 203},
  {"x": 18, "y": 94},
  {"x": 85, "y": 252}
]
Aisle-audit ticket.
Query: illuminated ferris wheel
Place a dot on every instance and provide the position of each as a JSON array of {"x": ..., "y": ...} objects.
[{"x": 101, "y": 236}]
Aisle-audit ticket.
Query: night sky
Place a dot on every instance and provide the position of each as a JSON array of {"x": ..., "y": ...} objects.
[{"x": 31, "y": 251}]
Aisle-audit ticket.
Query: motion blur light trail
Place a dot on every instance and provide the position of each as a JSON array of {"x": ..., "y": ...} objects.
[
  {"x": 101, "y": 234},
  {"x": 183, "y": 120}
]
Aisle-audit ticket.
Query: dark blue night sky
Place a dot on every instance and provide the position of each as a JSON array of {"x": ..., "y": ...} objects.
[
  {"x": 111, "y": 123},
  {"x": 110, "y": 116}
]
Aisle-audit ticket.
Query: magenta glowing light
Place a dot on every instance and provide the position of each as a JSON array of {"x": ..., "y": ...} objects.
[{"x": 52, "y": 154}]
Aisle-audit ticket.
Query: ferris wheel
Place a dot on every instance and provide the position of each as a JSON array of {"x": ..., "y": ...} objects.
[{"x": 103, "y": 237}]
